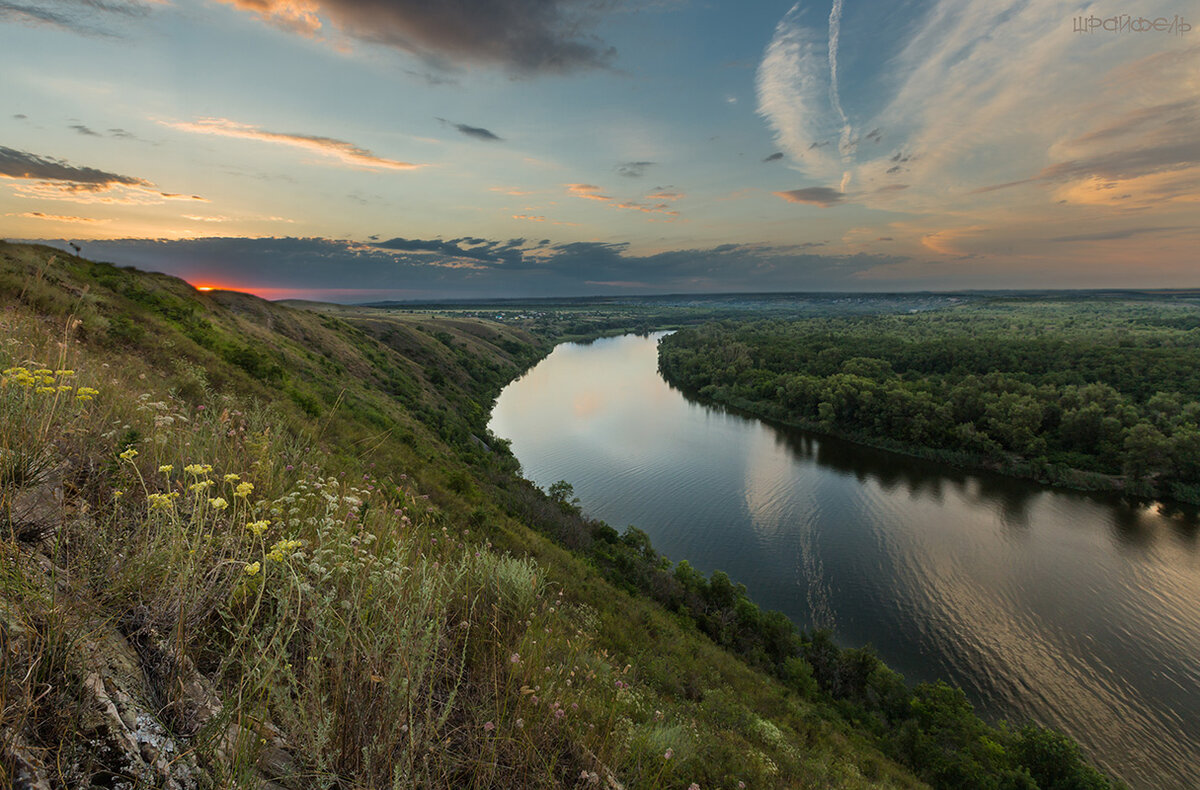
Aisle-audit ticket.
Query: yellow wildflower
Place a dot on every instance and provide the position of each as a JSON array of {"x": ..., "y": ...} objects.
[
  {"x": 86, "y": 393},
  {"x": 166, "y": 469},
  {"x": 232, "y": 478},
  {"x": 243, "y": 489},
  {"x": 118, "y": 494},
  {"x": 162, "y": 501},
  {"x": 282, "y": 548},
  {"x": 253, "y": 568},
  {"x": 43, "y": 372},
  {"x": 65, "y": 387},
  {"x": 198, "y": 487},
  {"x": 64, "y": 373},
  {"x": 46, "y": 390},
  {"x": 218, "y": 503},
  {"x": 128, "y": 454},
  {"x": 198, "y": 469},
  {"x": 258, "y": 527}
]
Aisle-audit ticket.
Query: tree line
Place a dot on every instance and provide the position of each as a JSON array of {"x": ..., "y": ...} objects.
[{"x": 1084, "y": 394}]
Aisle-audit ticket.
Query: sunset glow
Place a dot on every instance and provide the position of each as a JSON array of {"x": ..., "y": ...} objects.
[{"x": 387, "y": 150}]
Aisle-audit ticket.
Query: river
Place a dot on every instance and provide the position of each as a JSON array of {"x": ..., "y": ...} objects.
[{"x": 1079, "y": 612}]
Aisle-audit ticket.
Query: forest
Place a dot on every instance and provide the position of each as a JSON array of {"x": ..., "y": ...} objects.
[{"x": 1084, "y": 393}]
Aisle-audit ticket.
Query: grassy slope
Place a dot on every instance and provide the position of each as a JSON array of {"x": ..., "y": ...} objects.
[{"x": 401, "y": 640}]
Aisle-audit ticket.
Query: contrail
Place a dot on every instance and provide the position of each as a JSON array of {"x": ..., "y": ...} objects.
[{"x": 835, "y": 29}]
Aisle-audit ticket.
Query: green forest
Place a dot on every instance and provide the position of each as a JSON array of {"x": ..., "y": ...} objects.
[{"x": 1084, "y": 393}]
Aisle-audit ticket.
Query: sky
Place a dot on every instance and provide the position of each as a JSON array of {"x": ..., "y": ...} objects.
[{"x": 360, "y": 150}]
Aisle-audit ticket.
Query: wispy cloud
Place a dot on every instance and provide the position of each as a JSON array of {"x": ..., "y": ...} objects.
[
  {"x": 634, "y": 169},
  {"x": 981, "y": 149},
  {"x": 331, "y": 147},
  {"x": 85, "y": 17},
  {"x": 58, "y": 217},
  {"x": 588, "y": 191},
  {"x": 813, "y": 196},
  {"x": 523, "y": 36},
  {"x": 478, "y": 132}
]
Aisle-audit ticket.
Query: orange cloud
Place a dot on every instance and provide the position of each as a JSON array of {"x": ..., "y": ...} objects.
[
  {"x": 588, "y": 191},
  {"x": 57, "y": 217},
  {"x": 347, "y": 153}
]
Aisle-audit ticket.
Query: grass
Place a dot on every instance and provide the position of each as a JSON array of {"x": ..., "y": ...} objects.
[{"x": 221, "y": 575}]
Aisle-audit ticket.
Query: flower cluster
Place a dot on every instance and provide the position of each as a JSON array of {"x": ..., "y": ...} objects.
[
  {"x": 44, "y": 381},
  {"x": 162, "y": 501},
  {"x": 282, "y": 548}
]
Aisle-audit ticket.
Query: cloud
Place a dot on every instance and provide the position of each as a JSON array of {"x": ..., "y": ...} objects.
[
  {"x": 345, "y": 152},
  {"x": 56, "y": 179},
  {"x": 588, "y": 191},
  {"x": 963, "y": 77},
  {"x": 648, "y": 208},
  {"x": 813, "y": 196},
  {"x": 634, "y": 169},
  {"x": 478, "y": 132},
  {"x": 530, "y": 217},
  {"x": 20, "y": 116},
  {"x": 84, "y": 130},
  {"x": 20, "y": 164},
  {"x": 432, "y": 268},
  {"x": 1126, "y": 233},
  {"x": 665, "y": 193},
  {"x": 793, "y": 90},
  {"x": 85, "y": 17},
  {"x": 775, "y": 157},
  {"x": 525, "y": 37},
  {"x": 56, "y": 217}
]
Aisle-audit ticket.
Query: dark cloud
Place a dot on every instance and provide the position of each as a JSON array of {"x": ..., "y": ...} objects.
[
  {"x": 775, "y": 157},
  {"x": 20, "y": 116},
  {"x": 20, "y": 164},
  {"x": 874, "y": 134},
  {"x": 470, "y": 267},
  {"x": 634, "y": 169},
  {"x": 478, "y": 132},
  {"x": 84, "y": 130},
  {"x": 482, "y": 250},
  {"x": 523, "y": 36},
  {"x": 813, "y": 196}
]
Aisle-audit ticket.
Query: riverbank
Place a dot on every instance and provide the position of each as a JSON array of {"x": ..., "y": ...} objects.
[{"x": 1079, "y": 396}]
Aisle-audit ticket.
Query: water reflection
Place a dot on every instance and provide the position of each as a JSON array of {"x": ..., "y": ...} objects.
[{"x": 1080, "y": 611}]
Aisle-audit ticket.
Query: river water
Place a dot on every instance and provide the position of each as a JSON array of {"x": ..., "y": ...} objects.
[{"x": 1076, "y": 611}]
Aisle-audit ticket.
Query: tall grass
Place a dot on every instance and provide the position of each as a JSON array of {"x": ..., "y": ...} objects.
[{"x": 334, "y": 612}]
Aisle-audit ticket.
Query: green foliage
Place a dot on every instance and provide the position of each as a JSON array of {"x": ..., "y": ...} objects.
[{"x": 1040, "y": 389}]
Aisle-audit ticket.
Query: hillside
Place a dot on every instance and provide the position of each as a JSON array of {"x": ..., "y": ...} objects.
[{"x": 251, "y": 545}]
